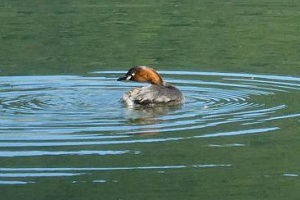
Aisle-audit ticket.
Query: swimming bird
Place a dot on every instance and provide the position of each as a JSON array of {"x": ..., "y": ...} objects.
[{"x": 159, "y": 92}]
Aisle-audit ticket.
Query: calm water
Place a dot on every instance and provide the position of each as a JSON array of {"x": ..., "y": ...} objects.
[{"x": 65, "y": 135}]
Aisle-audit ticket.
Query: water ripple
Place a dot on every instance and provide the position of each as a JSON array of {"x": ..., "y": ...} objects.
[
  {"x": 40, "y": 111},
  {"x": 80, "y": 117},
  {"x": 58, "y": 153},
  {"x": 25, "y": 173}
]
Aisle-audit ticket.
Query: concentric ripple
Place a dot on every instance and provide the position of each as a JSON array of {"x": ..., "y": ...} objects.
[
  {"x": 78, "y": 116},
  {"x": 57, "y": 107}
]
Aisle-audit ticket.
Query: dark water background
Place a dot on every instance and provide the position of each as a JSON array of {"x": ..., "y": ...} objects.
[{"x": 64, "y": 135}]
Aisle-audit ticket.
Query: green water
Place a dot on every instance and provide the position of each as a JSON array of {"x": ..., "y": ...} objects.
[
  {"x": 78, "y": 37},
  {"x": 55, "y": 37}
]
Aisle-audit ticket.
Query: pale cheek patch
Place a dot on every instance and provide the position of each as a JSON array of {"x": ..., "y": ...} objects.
[{"x": 128, "y": 78}]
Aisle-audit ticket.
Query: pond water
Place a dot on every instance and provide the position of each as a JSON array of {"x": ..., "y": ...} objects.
[
  {"x": 65, "y": 135},
  {"x": 64, "y": 107},
  {"x": 74, "y": 130}
]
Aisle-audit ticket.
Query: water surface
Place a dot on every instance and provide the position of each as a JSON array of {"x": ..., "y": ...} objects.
[
  {"x": 64, "y": 135},
  {"x": 74, "y": 129}
]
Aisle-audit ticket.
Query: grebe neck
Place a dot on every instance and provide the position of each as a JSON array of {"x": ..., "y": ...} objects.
[{"x": 154, "y": 78}]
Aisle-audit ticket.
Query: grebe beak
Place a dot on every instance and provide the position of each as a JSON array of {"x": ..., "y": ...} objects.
[{"x": 124, "y": 78}]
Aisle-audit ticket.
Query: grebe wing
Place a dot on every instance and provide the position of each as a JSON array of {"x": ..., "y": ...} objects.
[{"x": 158, "y": 94}]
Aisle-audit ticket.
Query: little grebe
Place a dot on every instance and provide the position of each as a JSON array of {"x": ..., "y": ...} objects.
[{"x": 158, "y": 92}]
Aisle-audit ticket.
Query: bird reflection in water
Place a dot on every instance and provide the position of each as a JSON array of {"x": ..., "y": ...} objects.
[{"x": 148, "y": 117}]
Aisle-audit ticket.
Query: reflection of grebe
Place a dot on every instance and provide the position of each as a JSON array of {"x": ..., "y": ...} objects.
[{"x": 158, "y": 92}]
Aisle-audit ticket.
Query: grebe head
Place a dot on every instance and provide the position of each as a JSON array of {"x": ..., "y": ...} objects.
[{"x": 142, "y": 74}]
